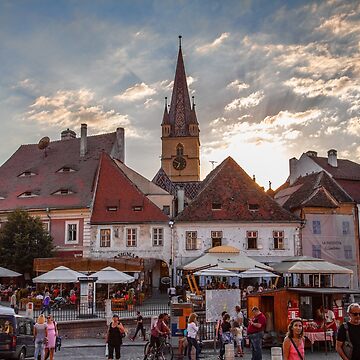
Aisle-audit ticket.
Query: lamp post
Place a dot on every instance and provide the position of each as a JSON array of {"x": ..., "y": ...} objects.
[{"x": 172, "y": 264}]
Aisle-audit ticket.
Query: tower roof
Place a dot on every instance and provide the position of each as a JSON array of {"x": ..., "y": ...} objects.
[{"x": 180, "y": 114}]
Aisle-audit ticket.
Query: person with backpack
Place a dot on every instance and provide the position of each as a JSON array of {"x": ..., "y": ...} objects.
[
  {"x": 294, "y": 343},
  {"x": 114, "y": 337},
  {"x": 348, "y": 336}
]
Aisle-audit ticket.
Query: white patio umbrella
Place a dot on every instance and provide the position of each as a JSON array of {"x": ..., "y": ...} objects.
[
  {"x": 59, "y": 275},
  {"x": 216, "y": 272},
  {"x": 8, "y": 273},
  {"x": 110, "y": 275},
  {"x": 256, "y": 273}
]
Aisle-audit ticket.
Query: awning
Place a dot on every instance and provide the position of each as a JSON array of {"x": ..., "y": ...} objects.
[
  {"x": 216, "y": 272},
  {"x": 225, "y": 257},
  {"x": 309, "y": 265},
  {"x": 59, "y": 275},
  {"x": 256, "y": 273},
  {"x": 109, "y": 275},
  {"x": 8, "y": 273}
]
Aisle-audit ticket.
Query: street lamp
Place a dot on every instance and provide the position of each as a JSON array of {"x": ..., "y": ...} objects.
[{"x": 172, "y": 263}]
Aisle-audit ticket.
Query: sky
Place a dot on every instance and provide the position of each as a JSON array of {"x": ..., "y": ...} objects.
[{"x": 271, "y": 79}]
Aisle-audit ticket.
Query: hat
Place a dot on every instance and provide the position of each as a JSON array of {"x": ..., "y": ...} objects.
[{"x": 115, "y": 316}]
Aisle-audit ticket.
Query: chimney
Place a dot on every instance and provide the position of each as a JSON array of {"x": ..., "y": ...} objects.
[
  {"x": 292, "y": 170},
  {"x": 181, "y": 200},
  {"x": 68, "y": 134},
  {"x": 118, "y": 150},
  {"x": 332, "y": 158},
  {"x": 311, "y": 153},
  {"x": 83, "y": 140}
]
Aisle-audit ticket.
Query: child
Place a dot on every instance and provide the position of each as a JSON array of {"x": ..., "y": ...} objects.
[{"x": 237, "y": 331}]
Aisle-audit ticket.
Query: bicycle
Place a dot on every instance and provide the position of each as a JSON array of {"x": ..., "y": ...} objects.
[{"x": 164, "y": 352}]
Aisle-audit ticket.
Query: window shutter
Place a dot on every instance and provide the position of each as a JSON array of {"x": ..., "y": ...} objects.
[
  {"x": 286, "y": 244},
  {"x": 198, "y": 244}
]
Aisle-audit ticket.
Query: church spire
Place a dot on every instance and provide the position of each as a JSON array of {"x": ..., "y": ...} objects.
[{"x": 180, "y": 114}]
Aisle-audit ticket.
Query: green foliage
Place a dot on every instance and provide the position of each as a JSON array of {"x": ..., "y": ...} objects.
[{"x": 22, "y": 239}]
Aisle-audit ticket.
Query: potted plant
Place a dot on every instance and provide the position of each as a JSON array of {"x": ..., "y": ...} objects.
[{"x": 130, "y": 300}]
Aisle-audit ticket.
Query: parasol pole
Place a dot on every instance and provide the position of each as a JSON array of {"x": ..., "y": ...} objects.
[{"x": 324, "y": 323}]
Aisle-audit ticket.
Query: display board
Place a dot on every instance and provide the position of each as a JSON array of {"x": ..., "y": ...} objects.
[{"x": 221, "y": 300}]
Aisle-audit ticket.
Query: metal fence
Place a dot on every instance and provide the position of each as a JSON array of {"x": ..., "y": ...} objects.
[
  {"x": 206, "y": 329},
  {"x": 78, "y": 312}
]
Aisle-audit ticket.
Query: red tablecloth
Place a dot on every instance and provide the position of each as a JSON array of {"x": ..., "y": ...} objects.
[{"x": 319, "y": 336}]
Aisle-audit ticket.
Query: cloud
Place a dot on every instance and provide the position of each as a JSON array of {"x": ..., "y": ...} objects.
[
  {"x": 136, "y": 92},
  {"x": 353, "y": 126},
  {"x": 246, "y": 102},
  {"x": 214, "y": 45},
  {"x": 70, "y": 108},
  {"x": 238, "y": 85}
]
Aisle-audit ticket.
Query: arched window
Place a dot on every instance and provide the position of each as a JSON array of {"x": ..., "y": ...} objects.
[{"x": 180, "y": 150}]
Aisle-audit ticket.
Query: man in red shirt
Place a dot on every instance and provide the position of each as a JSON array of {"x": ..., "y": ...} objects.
[{"x": 255, "y": 332}]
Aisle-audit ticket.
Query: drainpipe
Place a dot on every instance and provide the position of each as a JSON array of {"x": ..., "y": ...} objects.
[{"x": 49, "y": 217}]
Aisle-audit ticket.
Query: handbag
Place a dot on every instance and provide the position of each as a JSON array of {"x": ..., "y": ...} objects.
[
  {"x": 297, "y": 350},
  {"x": 106, "y": 350},
  {"x": 347, "y": 345},
  {"x": 227, "y": 337}
]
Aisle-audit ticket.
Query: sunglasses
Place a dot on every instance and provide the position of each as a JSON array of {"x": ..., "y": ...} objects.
[{"x": 355, "y": 314}]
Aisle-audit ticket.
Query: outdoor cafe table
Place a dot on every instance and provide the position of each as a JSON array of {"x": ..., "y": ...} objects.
[{"x": 319, "y": 335}]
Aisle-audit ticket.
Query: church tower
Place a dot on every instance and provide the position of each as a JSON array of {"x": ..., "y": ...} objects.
[{"x": 180, "y": 158}]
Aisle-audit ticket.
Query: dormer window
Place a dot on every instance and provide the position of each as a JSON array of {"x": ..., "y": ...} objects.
[
  {"x": 63, "y": 192},
  {"x": 112, "y": 208},
  {"x": 27, "y": 174},
  {"x": 66, "y": 169},
  {"x": 216, "y": 206},
  {"x": 253, "y": 207},
  {"x": 137, "y": 208},
  {"x": 28, "y": 194}
]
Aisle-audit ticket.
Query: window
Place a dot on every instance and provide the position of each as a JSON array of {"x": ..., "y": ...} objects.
[
  {"x": 72, "y": 232},
  {"x": 66, "y": 169},
  {"x": 158, "y": 236},
  {"x": 105, "y": 237},
  {"x": 112, "y": 208},
  {"x": 166, "y": 209},
  {"x": 131, "y": 237},
  {"x": 27, "y": 174},
  {"x": 345, "y": 228},
  {"x": 278, "y": 237},
  {"x": 137, "y": 208},
  {"x": 27, "y": 194},
  {"x": 46, "y": 225},
  {"x": 253, "y": 207},
  {"x": 252, "y": 239},
  {"x": 348, "y": 252},
  {"x": 316, "y": 251},
  {"x": 216, "y": 238},
  {"x": 216, "y": 206},
  {"x": 316, "y": 227},
  {"x": 179, "y": 150},
  {"x": 191, "y": 240},
  {"x": 63, "y": 192}
]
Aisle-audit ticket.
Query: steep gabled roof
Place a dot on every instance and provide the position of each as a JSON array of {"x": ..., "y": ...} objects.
[
  {"x": 236, "y": 196},
  {"x": 191, "y": 188},
  {"x": 314, "y": 190},
  {"x": 119, "y": 200},
  {"x": 44, "y": 177}
]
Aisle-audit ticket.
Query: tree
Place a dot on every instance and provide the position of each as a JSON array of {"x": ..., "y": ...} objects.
[{"x": 22, "y": 239}]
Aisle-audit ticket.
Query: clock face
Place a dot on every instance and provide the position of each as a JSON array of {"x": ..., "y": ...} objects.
[{"x": 179, "y": 163}]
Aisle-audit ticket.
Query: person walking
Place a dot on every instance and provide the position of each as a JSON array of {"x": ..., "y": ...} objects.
[
  {"x": 218, "y": 329},
  {"x": 192, "y": 330},
  {"x": 226, "y": 335},
  {"x": 52, "y": 333},
  {"x": 14, "y": 302},
  {"x": 139, "y": 326},
  {"x": 40, "y": 337},
  {"x": 294, "y": 344},
  {"x": 255, "y": 332},
  {"x": 46, "y": 304},
  {"x": 350, "y": 331},
  {"x": 114, "y": 337}
]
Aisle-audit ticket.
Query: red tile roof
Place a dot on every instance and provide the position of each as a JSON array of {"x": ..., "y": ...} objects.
[
  {"x": 59, "y": 154},
  {"x": 231, "y": 187},
  {"x": 115, "y": 189}
]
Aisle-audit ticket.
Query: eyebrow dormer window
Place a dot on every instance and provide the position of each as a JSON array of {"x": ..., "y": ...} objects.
[
  {"x": 27, "y": 194},
  {"x": 27, "y": 174},
  {"x": 63, "y": 192},
  {"x": 253, "y": 207},
  {"x": 137, "y": 208},
  {"x": 66, "y": 169},
  {"x": 216, "y": 206},
  {"x": 112, "y": 208}
]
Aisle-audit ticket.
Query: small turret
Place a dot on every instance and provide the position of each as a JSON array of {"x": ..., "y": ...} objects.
[{"x": 166, "y": 127}]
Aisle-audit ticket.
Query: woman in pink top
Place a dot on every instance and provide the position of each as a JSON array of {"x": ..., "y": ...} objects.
[
  {"x": 52, "y": 334},
  {"x": 293, "y": 345}
]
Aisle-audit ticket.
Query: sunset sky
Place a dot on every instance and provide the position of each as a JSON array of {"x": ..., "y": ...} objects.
[{"x": 271, "y": 79}]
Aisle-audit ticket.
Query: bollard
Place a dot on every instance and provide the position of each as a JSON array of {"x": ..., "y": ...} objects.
[
  {"x": 30, "y": 309},
  {"x": 229, "y": 351},
  {"x": 276, "y": 353}
]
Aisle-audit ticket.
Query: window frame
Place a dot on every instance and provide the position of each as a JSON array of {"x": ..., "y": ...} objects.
[
  {"x": 279, "y": 237},
  {"x": 316, "y": 227},
  {"x": 72, "y": 222},
  {"x": 249, "y": 236},
  {"x": 348, "y": 249},
  {"x": 133, "y": 232},
  {"x": 157, "y": 236},
  {"x": 191, "y": 240},
  {"x": 316, "y": 251},
  {"x": 105, "y": 243}
]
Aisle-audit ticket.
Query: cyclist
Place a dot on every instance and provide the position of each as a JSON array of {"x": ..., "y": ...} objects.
[{"x": 160, "y": 329}]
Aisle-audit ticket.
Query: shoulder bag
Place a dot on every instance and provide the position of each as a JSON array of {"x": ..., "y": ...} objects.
[
  {"x": 297, "y": 350},
  {"x": 347, "y": 345}
]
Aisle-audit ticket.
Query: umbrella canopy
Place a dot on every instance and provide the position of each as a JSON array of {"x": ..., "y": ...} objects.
[
  {"x": 225, "y": 257},
  {"x": 216, "y": 272},
  {"x": 109, "y": 275},
  {"x": 59, "y": 275},
  {"x": 256, "y": 273},
  {"x": 309, "y": 265},
  {"x": 8, "y": 273}
]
